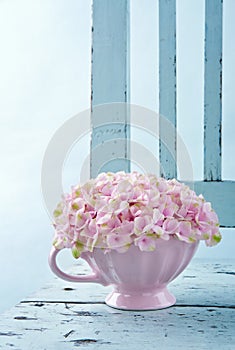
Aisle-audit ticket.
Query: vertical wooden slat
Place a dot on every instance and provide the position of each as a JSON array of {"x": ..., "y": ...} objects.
[
  {"x": 110, "y": 83},
  {"x": 167, "y": 86},
  {"x": 213, "y": 90}
]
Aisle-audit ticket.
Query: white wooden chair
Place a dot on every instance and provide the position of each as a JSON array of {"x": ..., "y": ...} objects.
[
  {"x": 111, "y": 83},
  {"x": 62, "y": 315}
]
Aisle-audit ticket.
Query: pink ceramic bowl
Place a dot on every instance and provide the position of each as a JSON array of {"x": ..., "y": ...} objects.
[{"x": 139, "y": 278}]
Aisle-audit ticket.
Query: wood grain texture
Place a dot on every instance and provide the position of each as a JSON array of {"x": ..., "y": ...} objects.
[
  {"x": 70, "y": 326},
  {"x": 167, "y": 84},
  {"x": 66, "y": 316},
  {"x": 110, "y": 82},
  {"x": 213, "y": 89}
]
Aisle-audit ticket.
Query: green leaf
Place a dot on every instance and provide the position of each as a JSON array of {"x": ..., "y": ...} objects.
[
  {"x": 77, "y": 249},
  {"x": 217, "y": 238},
  {"x": 76, "y": 253}
]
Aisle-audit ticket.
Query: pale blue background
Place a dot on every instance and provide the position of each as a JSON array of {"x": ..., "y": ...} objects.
[{"x": 45, "y": 80}]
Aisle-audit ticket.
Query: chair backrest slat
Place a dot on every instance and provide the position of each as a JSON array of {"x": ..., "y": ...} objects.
[
  {"x": 213, "y": 89},
  {"x": 167, "y": 84},
  {"x": 110, "y": 83}
]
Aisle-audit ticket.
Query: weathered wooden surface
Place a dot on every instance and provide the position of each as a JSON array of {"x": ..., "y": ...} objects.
[
  {"x": 68, "y": 326},
  {"x": 110, "y": 82},
  {"x": 68, "y": 316},
  {"x": 213, "y": 89},
  {"x": 167, "y": 86}
]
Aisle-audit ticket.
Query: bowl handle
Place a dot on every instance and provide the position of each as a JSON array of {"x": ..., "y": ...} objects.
[{"x": 95, "y": 277}]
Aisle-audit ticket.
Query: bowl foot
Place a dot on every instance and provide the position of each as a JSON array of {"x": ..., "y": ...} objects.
[{"x": 158, "y": 299}]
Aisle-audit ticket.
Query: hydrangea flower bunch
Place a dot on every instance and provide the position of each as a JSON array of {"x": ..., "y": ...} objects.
[{"x": 116, "y": 210}]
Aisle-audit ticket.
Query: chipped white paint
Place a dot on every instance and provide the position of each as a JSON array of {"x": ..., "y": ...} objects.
[
  {"x": 63, "y": 318},
  {"x": 213, "y": 89},
  {"x": 68, "y": 326},
  {"x": 185, "y": 287},
  {"x": 110, "y": 82},
  {"x": 220, "y": 193},
  {"x": 167, "y": 83}
]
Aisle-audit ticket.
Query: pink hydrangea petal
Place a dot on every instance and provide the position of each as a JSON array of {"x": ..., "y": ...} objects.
[
  {"x": 170, "y": 225},
  {"x": 145, "y": 243},
  {"x": 103, "y": 218},
  {"x": 159, "y": 231},
  {"x": 185, "y": 228},
  {"x": 117, "y": 241}
]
